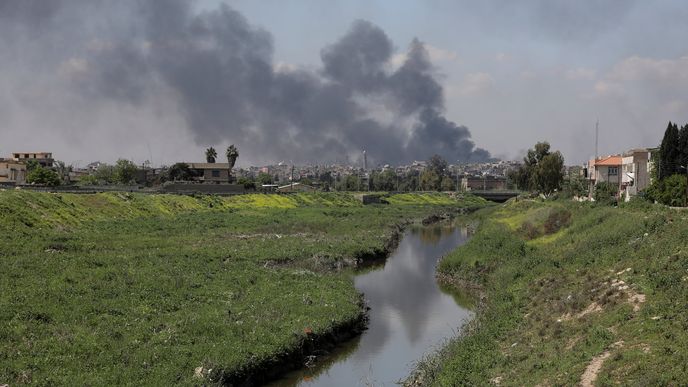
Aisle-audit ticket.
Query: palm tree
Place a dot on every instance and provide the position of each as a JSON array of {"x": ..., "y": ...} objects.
[
  {"x": 63, "y": 171},
  {"x": 232, "y": 155},
  {"x": 210, "y": 155}
]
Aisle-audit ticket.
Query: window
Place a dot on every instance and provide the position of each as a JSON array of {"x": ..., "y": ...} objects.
[
  {"x": 613, "y": 171},
  {"x": 215, "y": 173}
]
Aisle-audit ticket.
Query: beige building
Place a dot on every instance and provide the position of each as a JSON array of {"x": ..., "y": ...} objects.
[
  {"x": 635, "y": 172},
  {"x": 211, "y": 172},
  {"x": 630, "y": 172},
  {"x": 45, "y": 159},
  {"x": 12, "y": 172}
]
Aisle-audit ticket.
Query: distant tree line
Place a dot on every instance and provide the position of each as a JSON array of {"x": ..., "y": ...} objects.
[
  {"x": 670, "y": 163},
  {"x": 123, "y": 172}
]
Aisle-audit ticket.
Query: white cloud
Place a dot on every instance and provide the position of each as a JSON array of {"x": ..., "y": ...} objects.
[
  {"x": 441, "y": 55},
  {"x": 580, "y": 73},
  {"x": 635, "y": 77},
  {"x": 643, "y": 69},
  {"x": 477, "y": 83}
]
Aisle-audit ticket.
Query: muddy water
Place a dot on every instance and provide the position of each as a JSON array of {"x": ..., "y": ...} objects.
[{"x": 410, "y": 316}]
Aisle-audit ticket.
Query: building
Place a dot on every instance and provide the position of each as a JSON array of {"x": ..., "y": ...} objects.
[
  {"x": 635, "y": 168},
  {"x": 211, "y": 172},
  {"x": 12, "y": 172},
  {"x": 629, "y": 172},
  {"x": 45, "y": 159},
  {"x": 605, "y": 169}
]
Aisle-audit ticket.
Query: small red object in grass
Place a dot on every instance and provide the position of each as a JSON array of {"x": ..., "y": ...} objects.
[{"x": 307, "y": 330}]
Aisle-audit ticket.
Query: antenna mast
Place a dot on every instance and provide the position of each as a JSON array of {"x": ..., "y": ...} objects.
[{"x": 597, "y": 138}]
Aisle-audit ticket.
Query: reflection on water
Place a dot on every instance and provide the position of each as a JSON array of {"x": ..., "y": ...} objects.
[{"x": 410, "y": 315}]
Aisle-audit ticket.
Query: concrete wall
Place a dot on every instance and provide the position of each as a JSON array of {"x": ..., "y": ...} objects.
[
  {"x": 12, "y": 172},
  {"x": 479, "y": 184},
  {"x": 210, "y": 189}
]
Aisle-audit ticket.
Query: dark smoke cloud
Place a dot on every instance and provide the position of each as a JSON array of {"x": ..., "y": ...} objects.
[{"x": 221, "y": 73}]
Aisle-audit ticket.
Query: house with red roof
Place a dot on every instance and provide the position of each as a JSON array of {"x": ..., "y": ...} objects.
[{"x": 629, "y": 172}]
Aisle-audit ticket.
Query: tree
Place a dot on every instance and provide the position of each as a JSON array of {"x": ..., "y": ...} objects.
[
  {"x": 430, "y": 180},
  {"x": 124, "y": 172},
  {"x": 325, "y": 178},
  {"x": 247, "y": 182},
  {"x": 384, "y": 181},
  {"x": 438, "y": 165},
  {"x": 180, "y": 172},
  {"x": 670, "y": 191},
  {"x": 210, "y": 155},
  {"x": 232, "y": 154},
  {"x": 409, "y": 182},
  {"x": 448, "y": 184},
  {"x": 549, "y": 173},
  {"x": 575, "y": 186},
  {"x": 683, "y": 146},
  {"x": 43, "y": 176},
  {"x": 669, "y": 152},
  {"x": 264, "y": 178},
  {"x": 541, "y": 171},
  {"x": 63, "y": 171},
  {"x": 105, "y": 174},
  {"x": 349, "y": 183},
  {"x": 31, "y": 165},
  {"x": 88, "y": 180}
]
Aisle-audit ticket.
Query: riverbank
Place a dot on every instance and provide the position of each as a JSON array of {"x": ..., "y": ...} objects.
[
  {"x": 573, "y": 294},
  {"x": 117, "y": 288}
]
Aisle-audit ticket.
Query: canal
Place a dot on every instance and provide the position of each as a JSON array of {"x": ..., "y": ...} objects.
[{"x": 410, "y": 315}]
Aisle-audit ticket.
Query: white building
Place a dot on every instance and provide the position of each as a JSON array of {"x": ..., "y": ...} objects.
[{"x": 636, "y": 172}]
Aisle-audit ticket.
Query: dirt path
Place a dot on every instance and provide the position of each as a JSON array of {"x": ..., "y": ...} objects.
[{"x": 590, "y": 375}]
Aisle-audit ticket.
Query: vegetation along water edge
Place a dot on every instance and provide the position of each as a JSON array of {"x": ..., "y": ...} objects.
[
  {"x": 121, "y": 288},
  {"x": 570, "y": 293}
]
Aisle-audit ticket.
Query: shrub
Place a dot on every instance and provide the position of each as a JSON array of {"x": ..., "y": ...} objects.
[
  {"x": 529, "y": 230},
  {"x": 557, "y": 219},
  {"x": 605, "y": 193},
  {"x": 670, "y": 191},
  {"x": 43, "y": 176}
]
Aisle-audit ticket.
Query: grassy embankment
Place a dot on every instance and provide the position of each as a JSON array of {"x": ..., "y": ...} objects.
[
  {"x": 571, "y": 293},
  {"x": 152, "y": 289}
]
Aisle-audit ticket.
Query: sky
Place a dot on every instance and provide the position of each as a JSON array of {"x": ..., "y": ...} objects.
[{"x": 98, "y": 80}]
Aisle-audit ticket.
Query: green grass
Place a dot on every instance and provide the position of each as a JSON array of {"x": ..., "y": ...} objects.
[
  {"x": 119, "y": 288},
  {"x": 436, "y": 198},
  {"x": 553, "y": 302}
]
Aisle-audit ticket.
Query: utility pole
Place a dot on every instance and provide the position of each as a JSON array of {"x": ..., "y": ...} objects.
[{"x": 597, "y": 138}]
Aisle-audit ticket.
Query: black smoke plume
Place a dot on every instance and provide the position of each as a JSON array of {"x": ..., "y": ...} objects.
[{"x": 221, "y": 73}]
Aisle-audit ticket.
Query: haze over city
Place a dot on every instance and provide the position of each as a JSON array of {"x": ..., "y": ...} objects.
[{"x": 310, "y": 82}]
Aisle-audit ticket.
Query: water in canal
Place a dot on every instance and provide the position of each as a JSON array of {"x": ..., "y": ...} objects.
[{"x": 410, "y": 316}]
